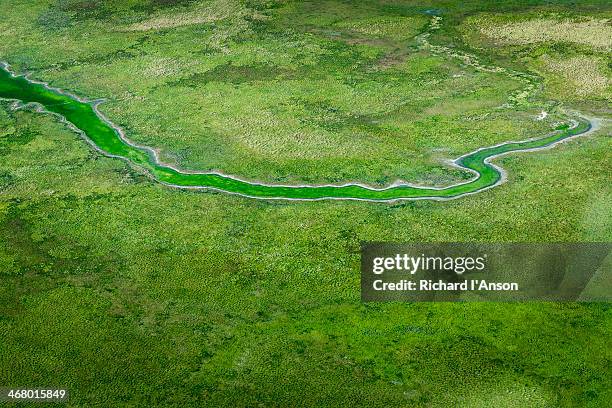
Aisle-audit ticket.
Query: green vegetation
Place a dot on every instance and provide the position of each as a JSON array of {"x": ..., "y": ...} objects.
[
  {"x": 571, "y": 51},
  {"x": 319, "y": 103},
  {"x": 84, "y": 117},
  {"x": 130, "y": 293}
]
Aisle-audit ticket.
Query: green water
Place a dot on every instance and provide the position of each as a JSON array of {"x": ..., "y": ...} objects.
[{"x": 83, "y": 116}]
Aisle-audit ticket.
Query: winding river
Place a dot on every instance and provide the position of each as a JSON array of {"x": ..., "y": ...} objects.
[{"x": 84, "y": 117}]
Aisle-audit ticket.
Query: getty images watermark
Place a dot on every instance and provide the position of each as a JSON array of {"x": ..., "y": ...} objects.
[
  {"x": 413, "y": 264},
  {"x": 486, "y": 272}
]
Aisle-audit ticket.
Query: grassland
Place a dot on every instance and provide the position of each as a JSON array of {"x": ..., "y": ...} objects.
[
  {"x": 571, "y": 52},
  {"x": 583, "y": 76},
  {"x": 278, "y": 104},
  {"x": 85, "y": 119},
  {"x": 129, "y": 293},
  {"x": 591, "y": 32}
]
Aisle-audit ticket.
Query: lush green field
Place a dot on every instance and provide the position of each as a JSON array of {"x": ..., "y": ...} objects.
[
  {"x": 105, "y": 137},
  {"x": 130, "y": 293}
]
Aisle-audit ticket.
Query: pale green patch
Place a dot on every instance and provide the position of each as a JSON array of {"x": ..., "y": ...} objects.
[
  {"x": 593, "y": 32},
  {"x": 394, "y": 27}
]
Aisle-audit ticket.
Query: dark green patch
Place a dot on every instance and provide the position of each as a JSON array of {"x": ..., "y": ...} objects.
[
  {"x": 151, "y": 6},
  {"x": 6, "y": 180},
  {"x": 21, "y": 136},
  {"x": 326, "y": 116},
  {"x": 235, "y": 74},
  {"x": 84, "y": 9},
  {"x": 54, "y": 19}
]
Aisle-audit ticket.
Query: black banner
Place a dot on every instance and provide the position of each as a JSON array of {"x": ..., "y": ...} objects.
[{"x": 433, "y": 272}]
